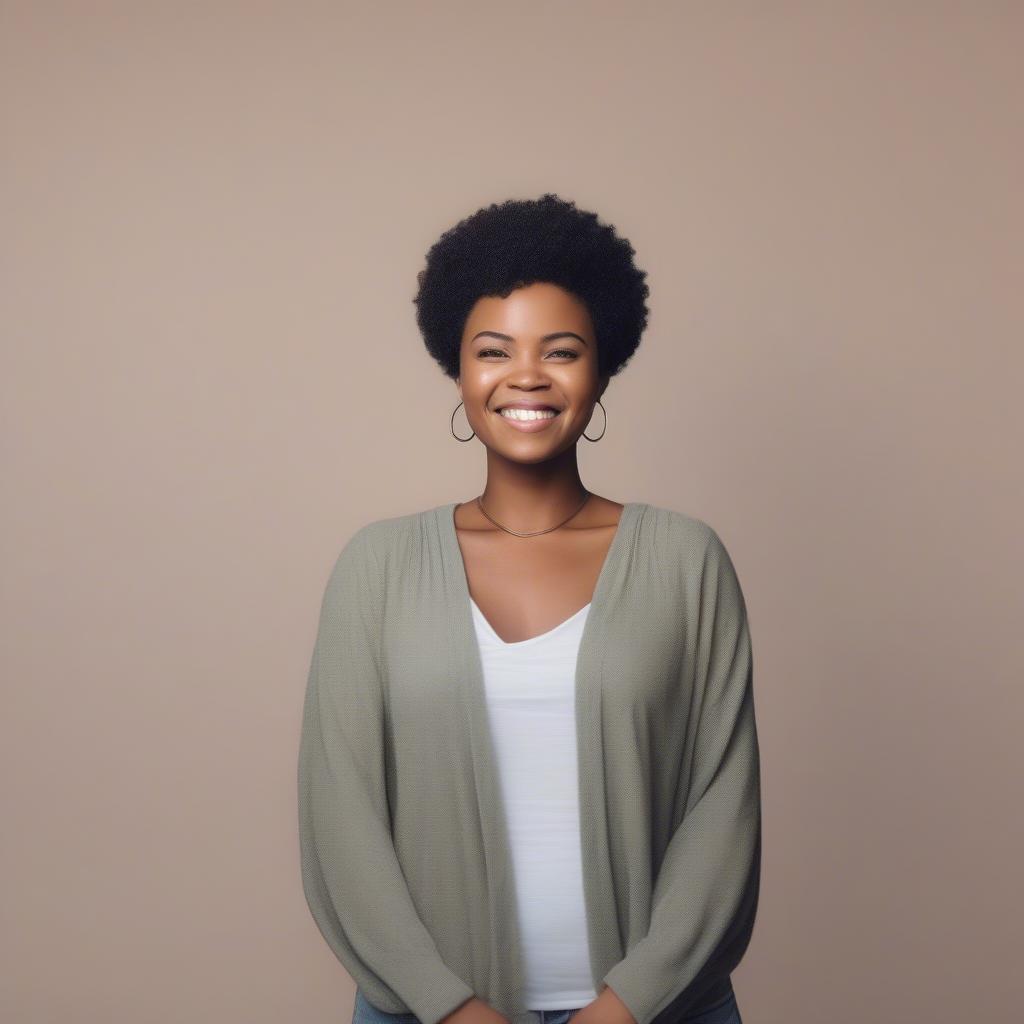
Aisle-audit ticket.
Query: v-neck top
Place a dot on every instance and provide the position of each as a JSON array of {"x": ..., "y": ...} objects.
[
  {"x": 483, "y": 621},
  {"x": 405, "y": 852},
  {"x": 529, "y": 689}
]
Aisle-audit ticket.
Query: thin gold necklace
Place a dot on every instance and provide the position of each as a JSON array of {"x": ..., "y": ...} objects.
[{"x": 533, "y": 533}]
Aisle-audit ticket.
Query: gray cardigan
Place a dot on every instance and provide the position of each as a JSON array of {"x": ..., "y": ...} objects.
[{"x": 406, "y": 864}]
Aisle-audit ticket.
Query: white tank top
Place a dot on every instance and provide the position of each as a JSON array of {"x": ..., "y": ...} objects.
[{"x": 531, "y": 706}]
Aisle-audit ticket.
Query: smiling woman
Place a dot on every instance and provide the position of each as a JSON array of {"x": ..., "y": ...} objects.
[{"x": 529, "y": 779}]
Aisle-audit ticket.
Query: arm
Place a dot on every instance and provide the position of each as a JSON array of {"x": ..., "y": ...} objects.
[
  {"x": 351, "y": 876},
  {"x": 706, "y": 893}
]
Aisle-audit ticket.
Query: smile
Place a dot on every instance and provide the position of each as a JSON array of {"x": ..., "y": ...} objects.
[{"x": 528, "y": 420}]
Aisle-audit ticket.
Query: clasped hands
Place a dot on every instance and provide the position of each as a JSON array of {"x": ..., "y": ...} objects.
[{"x": 607, "y": 1008}]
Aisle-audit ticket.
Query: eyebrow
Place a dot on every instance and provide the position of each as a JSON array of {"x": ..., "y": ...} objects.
[{"x": 547, "y": 337}]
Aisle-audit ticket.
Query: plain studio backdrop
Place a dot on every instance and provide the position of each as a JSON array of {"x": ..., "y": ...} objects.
[{"x": 213, "y": 216}]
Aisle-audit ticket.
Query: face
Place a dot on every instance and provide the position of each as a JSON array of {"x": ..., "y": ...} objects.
[{"x": 536, "y": 348}]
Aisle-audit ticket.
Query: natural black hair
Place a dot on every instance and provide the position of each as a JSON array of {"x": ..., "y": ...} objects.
[{"x": 509, "y": 245}]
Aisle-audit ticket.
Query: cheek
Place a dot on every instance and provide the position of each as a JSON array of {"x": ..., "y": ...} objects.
[{"x": 479, "y": 384}]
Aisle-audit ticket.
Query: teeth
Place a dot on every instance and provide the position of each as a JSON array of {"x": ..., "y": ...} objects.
[{"x": 528, "y": 414}]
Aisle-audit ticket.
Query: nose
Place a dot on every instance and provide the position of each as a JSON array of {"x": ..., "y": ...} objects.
[
  {"x": 528, "y": 375},
  {"x": 527, "y": 365}
]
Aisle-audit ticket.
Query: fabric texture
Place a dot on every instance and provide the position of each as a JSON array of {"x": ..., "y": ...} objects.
[{"x": 405, "y": 857}]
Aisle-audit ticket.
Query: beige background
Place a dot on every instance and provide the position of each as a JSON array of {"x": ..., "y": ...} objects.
[{"x": 213, "y": 218}]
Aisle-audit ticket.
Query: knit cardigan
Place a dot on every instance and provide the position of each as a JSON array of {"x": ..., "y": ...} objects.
[{"x": 406, "y": 862}]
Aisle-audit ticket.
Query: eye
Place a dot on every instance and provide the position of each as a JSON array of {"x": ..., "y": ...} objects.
[{"x": 556, "y": 352}]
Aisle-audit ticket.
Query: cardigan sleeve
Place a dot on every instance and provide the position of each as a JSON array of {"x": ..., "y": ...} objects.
[
  {"x": 351, "y": 875},
  {"x": 706, "y": 892}
]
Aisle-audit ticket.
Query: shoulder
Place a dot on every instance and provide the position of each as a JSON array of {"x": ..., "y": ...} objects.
[
  {"x": 691, "y": 543},
  {"x": 687, "y": 533},
  {"x": 380, "y": 540},
  {"x": 356, "y": 575},
  {"x": 377, "y": 534}
]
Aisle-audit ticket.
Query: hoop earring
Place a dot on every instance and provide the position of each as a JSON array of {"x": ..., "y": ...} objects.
[
  {"x": 456, "y": 436},
  {"x": 598, "y": 438}
]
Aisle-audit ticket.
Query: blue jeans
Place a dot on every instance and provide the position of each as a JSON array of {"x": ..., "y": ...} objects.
[{"x": 726, "y": 1012}]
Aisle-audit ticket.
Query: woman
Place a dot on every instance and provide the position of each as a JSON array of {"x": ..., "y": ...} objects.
[{"x": 529, "y": 781}]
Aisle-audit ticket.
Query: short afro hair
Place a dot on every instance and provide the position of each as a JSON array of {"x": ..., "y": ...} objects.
[{"x": 510, "y": 245}]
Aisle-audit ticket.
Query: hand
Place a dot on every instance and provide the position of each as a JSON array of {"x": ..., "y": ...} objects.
[
  {"x": 607, "y": 1008},
  {"x": 475, "y": 1011}
]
